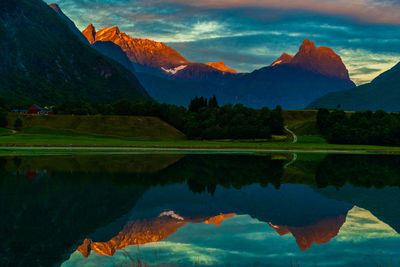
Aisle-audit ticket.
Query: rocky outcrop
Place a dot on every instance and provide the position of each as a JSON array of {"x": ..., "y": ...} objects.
[
  {"x": 142, "y": 51},
  {"x": 221, "y": 66},
  {"x": 321, "y": 60},
  {"x": 283, "y": 59}
]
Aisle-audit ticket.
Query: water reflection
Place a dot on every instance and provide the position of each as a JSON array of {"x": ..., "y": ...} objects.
[{"x": 199, "y": 209}]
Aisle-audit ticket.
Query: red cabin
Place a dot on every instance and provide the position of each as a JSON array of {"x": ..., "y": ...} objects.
[{"x": 34, "y": 109}]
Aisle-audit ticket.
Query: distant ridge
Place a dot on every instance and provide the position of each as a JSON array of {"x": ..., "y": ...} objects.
[
  {"x": 290, "y": 81},
  {"x": 321, "y": 60},
  {"x": 221, "y": 66},
  {"x": 382, "y": 93}
]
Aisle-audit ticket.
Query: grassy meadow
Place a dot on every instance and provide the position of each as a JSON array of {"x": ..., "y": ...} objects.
[{"x": 113, "y": 132}]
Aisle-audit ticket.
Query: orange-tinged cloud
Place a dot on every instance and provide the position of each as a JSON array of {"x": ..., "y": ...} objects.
[{"x": 384, "y": 12}]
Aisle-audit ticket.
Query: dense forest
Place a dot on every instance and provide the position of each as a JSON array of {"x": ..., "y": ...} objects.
[
  {"x": 204, "y": 119},
  {"x": 363, "y": 127}
]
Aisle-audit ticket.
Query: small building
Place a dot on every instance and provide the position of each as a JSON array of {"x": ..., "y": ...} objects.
[{"x": 34, "y": 109}]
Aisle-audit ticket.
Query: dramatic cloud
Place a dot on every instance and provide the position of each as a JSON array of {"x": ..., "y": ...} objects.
[
  {"x": 363, "y": 10},
  {"x": 251, "y": 34}
]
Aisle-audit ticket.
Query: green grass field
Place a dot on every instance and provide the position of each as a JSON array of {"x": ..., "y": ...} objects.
[
  {"x": 114, "y": 132},
  {"x": 91, "y": 126}
]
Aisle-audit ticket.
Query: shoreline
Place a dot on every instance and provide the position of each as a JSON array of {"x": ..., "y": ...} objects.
[{"x": 56, "y": 150}]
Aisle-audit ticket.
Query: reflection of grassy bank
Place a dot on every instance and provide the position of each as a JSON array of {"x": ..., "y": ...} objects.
[
  {"x": 93, "y": 143},
  {"x": 148, "y": 163}
]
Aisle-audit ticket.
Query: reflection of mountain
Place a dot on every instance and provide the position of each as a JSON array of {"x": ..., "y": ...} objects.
[
  {"x": 145, "y": 231},
  {"x": 370, "y": 182},
  {"x": 383, "y": 203},
  {"x": 321, "y": 232},
  {"x": 96, "y": 197},
  {"x": 295, "y": 208},
  {"x": 44, "y": 218}
]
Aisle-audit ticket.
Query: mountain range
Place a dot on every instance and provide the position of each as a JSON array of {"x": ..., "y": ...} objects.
[
  {"x": 291, "y": 81},
  {"x": 65, "y": 66},
  {"x": 42, "y": 60}
]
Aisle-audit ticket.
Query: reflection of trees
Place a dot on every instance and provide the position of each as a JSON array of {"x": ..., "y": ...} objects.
[
  {"x": 43, "y": 219},
  {"x": 58, "y": 210},
  {"x": 363, "y": 171},
  {"x": 204, "y": 172}
]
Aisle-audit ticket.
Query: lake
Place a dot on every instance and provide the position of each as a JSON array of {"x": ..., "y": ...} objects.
[{"x": 200, "y": 210}]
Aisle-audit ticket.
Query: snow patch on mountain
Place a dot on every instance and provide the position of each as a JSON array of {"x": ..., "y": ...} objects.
[
  {"x": 171, "y": 214},
  {"x": 276, "y": 63},
  {"x": 174, "y": 70}
]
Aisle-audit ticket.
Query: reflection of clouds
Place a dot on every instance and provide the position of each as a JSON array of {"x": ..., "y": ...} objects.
[
  {"x": 242, "y": 240},
  {"x": 361, "y": 225}
]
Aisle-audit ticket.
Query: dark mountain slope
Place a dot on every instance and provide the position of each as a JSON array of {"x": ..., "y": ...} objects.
[
  {"x": 382, "y": 93},
  {"x": 291, "y": 82},
  {"x": 284, "y": 85},
  {"x": 70, "y": 23},
  {"x": 41, "y": 60}
]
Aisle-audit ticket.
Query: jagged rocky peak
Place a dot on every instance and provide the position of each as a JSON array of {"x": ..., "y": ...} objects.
[
  {"x": 283, "y": 59},
  {"x": 321, "y": 60},
  {"x": 90, "y": 33},
  {"x": 142, "y": 51},
  {"x": 221, "y": 66}
]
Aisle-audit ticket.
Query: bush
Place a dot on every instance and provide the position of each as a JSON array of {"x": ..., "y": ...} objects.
[
  {"x": 364, "y": 127},
  {"x": 18, "y": 124}
]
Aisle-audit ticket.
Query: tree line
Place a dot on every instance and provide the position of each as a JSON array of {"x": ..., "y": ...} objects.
[
  {"x": 363, "y": 127},
  {"x": 204, "y": 119}
]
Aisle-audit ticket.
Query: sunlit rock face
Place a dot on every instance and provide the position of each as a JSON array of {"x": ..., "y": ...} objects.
[
  {"x": 321, "y": 60},
  {"x": 145, "y": 231},
  {"x": 221, "y": 66},
  {"x": 283, "y": 59},
  {"x": 90, "y": 33},
  {"x": 142, "y": 51},
  {"x": 321, "y": 232}
]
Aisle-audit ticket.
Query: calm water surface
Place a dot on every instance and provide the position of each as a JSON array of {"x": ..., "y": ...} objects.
[{"x": 185, "y": 210}]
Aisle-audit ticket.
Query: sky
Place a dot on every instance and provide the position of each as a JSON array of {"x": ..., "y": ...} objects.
[{"x": 250, "y": 34}]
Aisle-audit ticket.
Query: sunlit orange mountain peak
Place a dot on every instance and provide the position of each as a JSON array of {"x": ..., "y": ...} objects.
[
  {"x": 90, "y": 33},
  {"x": 142, "y": 51},
  {"x": 221, "y": 66},
  {"x": 283, "y": 59},
  {"x": 321, "y": 60},
  {"x": 321, "y": 232},
  {"x": 145, "y": 231}
]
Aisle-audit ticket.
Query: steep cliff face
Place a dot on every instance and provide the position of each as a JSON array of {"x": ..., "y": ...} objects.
[
  {"x": 142, "y": 51},
  {"x": 90, "y": 33},
  {"x": 321, "y": 60}
]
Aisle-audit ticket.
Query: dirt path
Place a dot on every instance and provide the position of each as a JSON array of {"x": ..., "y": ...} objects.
[{"x": 292, "y": 133}]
